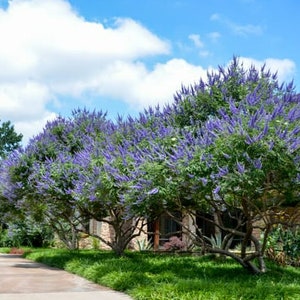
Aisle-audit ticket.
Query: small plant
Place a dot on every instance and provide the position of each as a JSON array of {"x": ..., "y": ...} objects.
[
  {"x": 144, "y": 245},
  {"x": 216, "y": 241},
  {"x": 174, "y": 243},
  {"x": 95, "y": 243}
]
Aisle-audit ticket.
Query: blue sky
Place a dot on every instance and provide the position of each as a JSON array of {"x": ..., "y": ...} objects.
[{"x": 121, "y": 56}]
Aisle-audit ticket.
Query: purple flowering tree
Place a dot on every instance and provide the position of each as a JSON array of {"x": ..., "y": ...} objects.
[
  {"x": 243, "y": 163},
  {"x": 53, "y": 180},
  {"x": 112, "y": 185},
  {"x": 100, "y": 192},
  {"x": 233, "y": 168},
  {"x": 38, "y": 180}
]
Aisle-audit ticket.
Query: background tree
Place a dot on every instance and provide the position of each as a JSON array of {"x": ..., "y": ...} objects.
[{"x": 9, "y": 139}]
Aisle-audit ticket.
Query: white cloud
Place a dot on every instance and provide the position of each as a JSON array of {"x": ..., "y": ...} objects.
[
  {"x": 238, "y": 29},
  {"x": 140, "y": 87},
  {"x": 205, "y": 53},
  {"x": 196, "y": 40},
  {"x": 23, "y": 100},
  {"x": 214, "y": 36},
  {"x": 34, "y": 127},
  {"x": 48, "y": 50},
  {"x": 245, "y": 30},
  {"x": 24, "y": 104},
  {"x": 166, "y": 79},
  {"x": 285, "y": 68},
  {"x": 215, "y": 17}
]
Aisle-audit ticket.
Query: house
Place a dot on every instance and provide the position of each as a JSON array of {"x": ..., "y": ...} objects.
[{"x": 160, "y": 230}]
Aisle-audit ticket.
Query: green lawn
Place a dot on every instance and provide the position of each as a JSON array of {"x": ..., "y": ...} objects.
[{"x": 172, "y": 277}]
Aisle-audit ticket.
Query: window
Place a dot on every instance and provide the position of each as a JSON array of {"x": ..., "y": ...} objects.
[{"x": 162, "y": 229}]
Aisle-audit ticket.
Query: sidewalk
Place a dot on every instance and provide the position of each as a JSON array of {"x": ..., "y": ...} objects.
[{"x": 28, "y": 280}]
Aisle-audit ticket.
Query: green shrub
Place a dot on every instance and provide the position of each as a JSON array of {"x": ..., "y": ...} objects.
[
  {"x": 3, "y": 236},
  {"x": 26, "y": 233},
  {"x": 283, "y": 245}
]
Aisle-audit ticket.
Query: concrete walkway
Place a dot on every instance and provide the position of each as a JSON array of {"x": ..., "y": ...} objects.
[{"x": 27, "y": 280}]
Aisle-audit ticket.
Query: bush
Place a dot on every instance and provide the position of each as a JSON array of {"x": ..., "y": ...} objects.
[
  {"x": 26, "y": 233},
  {"x": 175, "y": 243},
  {"x": 284, "y": 245},
  {"x": 3, "y": 236}
]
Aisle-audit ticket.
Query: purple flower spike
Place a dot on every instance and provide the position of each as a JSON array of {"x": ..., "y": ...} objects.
[
  {"x": 257, "y": 164},
  {"x": 204, "y": 181},
  {"x": 217, "y": 190},
  {"x": 153, "y": 191},
  {"x": 240, "y": 168}
]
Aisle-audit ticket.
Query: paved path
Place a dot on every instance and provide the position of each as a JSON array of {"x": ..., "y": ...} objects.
[{"x": 22, "y": 279}]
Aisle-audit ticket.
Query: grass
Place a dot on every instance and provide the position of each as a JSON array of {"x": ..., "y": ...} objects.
[
  {"x": 5, "y": 250},
  {"x": 160, "y": 276}
]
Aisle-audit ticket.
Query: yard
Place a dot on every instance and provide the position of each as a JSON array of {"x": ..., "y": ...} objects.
[{"x": 146, "y": 275}]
